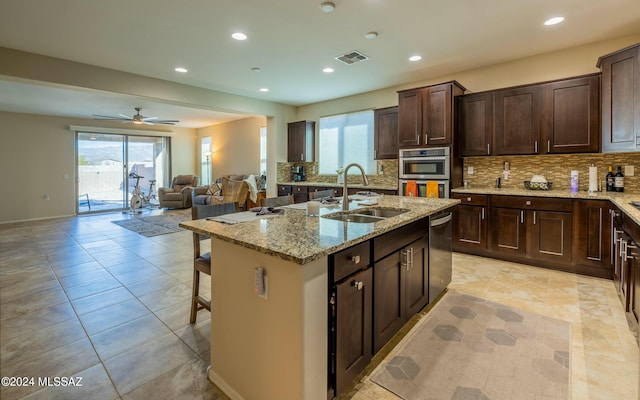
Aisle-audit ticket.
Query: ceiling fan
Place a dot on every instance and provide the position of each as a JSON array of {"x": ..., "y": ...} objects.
[{"x": 138, "y": 119}]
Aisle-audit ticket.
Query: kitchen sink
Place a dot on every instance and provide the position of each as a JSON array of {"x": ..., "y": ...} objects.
[
  {"x": 366, "y": 216},
  {"x": 382, "y": 212}
]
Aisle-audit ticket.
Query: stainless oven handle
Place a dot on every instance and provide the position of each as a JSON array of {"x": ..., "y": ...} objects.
[
  {"x": 441, "y": 221},
  {"x": 427, "y": 158}
]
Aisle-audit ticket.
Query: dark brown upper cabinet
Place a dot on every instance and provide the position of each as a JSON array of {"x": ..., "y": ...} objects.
[
  {"x": 517, "y": 120},
  {"x": 621, "y": 100},
  {"x": 547, "y": 118},
  {"x": 425, "y": 115},
  {"x": 386, "y": 133},
  {"x": 301, "y": 141},
  {"x": 571, "y": 116},
  {"x": 475, "y": 124}
]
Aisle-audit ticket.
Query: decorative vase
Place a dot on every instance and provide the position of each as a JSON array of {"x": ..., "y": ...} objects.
[{"x": 340, "y": 179}]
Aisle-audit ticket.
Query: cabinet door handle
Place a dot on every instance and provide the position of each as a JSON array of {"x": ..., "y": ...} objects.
[
  {"x": 426, "y": 138},
  {"x": 357, "y": 284},
  {"x": 301, "y": 157},
  {"x": 521, "y": 216},
  {"x": 482, "y": 212},
  {"x": 528, "y": 202},
  {"x": 419, "y": 136},
  {"x": 534, "y": 217},
  {"x": 535, "y": 145},
  {"x": 488, "y": 151},
  {"x": 355, "y": 259},
  {"x": 548, "y": 146},
  {"x": 404, "y": 264},
  {"x": 375, "y": 154},
  {"x": 621, "y": 253},
  {"x": 468, "y": 198},
  {"x": 410, "y": 258}
]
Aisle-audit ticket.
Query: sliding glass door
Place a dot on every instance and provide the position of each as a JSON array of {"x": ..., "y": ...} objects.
[{"x": 104, "y": 163}]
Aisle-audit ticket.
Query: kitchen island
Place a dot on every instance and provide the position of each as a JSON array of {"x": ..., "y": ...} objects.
[{"x": 275, "y": 346}]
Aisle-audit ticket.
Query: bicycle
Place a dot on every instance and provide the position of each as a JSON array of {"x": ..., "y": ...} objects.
[{"x": 138, "y": 198}]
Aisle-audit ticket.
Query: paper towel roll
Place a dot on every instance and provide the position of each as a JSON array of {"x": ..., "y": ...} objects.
[{"x": 593, "y": 179}]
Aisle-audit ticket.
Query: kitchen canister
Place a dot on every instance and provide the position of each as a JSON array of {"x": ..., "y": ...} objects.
[
  {"x": 574, "y": 182},
  {"x": 593, "y": 178}
]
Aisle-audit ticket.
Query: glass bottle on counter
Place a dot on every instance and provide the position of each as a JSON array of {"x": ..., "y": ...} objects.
[
  {"x": 619, "y": 180},
  {"x": 611, "y": 181}
]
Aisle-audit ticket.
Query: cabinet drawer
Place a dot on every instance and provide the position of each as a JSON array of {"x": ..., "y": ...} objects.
[
  {"x": 472, "y": 199},
  {"x": 532, "y": 203},
  {"x": 350, "y": 260},
  {"x": 387, "y": 243},
  {"x": 284, "y": 190},
  {"x": 300, "y": 189}
]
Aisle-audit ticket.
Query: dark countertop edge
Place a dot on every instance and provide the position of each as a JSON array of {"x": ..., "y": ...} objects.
[
  {"x": 335, "y": 184},
  {"x": 330, "y": 250}
]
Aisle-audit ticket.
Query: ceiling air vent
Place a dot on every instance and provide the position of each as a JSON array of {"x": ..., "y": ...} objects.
[{"x": 352, "y": 57}]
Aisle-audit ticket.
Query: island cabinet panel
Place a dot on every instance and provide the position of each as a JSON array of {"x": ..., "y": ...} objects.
[
  {"x": 301, "y": 141},
  {"x": 621, "y": 100},
  {"x": 386, "y": 133},
  {"x": 475, "y": 124},
  {"x": 592, "y": 233},
  {"x": 517, "y": 120},
  {"x": 470, "y": 219},
  {"x": 401, "y": 289},
  {"x": 571, "y": 116}
]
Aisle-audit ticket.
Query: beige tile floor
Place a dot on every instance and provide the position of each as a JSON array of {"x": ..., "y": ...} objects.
[{"x": 83, "y": 297}]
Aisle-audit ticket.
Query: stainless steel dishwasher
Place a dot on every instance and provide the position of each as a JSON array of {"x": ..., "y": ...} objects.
[{"x": 439, "y": 253}]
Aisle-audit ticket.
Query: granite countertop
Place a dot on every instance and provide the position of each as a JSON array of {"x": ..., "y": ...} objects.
[
  {"x": 371, "y": 187},
  {"x": 301, "y": 239},
  {"x": 621, "y": 200}
]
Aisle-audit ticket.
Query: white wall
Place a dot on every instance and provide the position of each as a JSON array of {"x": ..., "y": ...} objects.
[
  {"x": 235, "y": 145},
  {"x": 37, "y": 157}
]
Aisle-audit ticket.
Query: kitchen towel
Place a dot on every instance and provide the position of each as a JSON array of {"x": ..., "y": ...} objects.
[
  {"x": 412, "y": 189},
  {"x": 432, "y": 189},
  {"x": 593, "y": 179}
]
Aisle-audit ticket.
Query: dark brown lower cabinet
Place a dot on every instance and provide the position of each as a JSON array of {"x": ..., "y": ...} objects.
[
  {"x": 353, "y": 311},
  {"x": 470, "y": 219},
  {"x": 401, "y": 287},
  {"x": 549, "y": 236},
  {"x": 592, "y": 233},
  {"x": 508, "y": 231}
]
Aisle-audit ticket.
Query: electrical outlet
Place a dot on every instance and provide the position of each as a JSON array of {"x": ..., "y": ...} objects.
[
  {"x": 628, "y": 170},
  {"x": 46, "y": 196},
  {"x": 470, "y": 170}
]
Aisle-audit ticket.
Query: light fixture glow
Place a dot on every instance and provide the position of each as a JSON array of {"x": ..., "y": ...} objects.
[
  {"x": 327, "y": 6},
  {"x": 239, "y": 36},
  {"x": 180, "y": 69},
  {"x": 264, "y": 89},
  {"x": 137, "y": 122},
  {"x": 371, "y": 35},
  {"x": 327, "y": 70},
  {"x": 415, "y": 58},
  {"x": 553, "y": 21}
]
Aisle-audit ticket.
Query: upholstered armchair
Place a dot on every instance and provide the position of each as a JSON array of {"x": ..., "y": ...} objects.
[{"x": 179, "y": 194}]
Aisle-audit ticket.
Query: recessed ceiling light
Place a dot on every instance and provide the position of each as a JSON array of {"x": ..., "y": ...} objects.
[
  {"x": 327, "y": 6},
  {"x": 264, "y": 89},
  {"x": 256, "y": 69},
  {"x": 327, "y": 70},
  {"x": 415, "y": 58},
  {"x": 239, "y": 36},
  {"x": 180, "y": 69},
  {"x": 371, "y": 35},
  {"x": 553, "y": 21}
]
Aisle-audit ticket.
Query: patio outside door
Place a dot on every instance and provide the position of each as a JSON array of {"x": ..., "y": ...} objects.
[{"x": 104, "y": 162}]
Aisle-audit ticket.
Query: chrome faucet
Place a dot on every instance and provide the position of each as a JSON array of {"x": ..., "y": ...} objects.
[{"x": 345, "y": 191}]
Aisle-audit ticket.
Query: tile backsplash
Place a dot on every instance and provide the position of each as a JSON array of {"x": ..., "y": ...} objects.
[
  {"x": 388, "y": 176},
  {"x": 555, "y": 168}
]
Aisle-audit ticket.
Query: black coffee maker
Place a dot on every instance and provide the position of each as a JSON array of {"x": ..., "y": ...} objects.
[{"x": 298, "y": 174}]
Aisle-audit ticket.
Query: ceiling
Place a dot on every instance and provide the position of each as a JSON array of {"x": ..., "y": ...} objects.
[{"x": 290, "y": 41}]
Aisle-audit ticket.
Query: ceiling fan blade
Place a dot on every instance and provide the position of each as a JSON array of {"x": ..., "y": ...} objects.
[
  {"x": 166, "y": 121},
  {"x": 126, "y": 117},
  {"x": 109, "y": 117},
  {"x": 149, "y": 118},
  {"x": 148, "y": 123}
]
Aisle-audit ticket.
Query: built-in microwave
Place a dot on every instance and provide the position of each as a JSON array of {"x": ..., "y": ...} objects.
[{"x": 424, "y": 164}]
